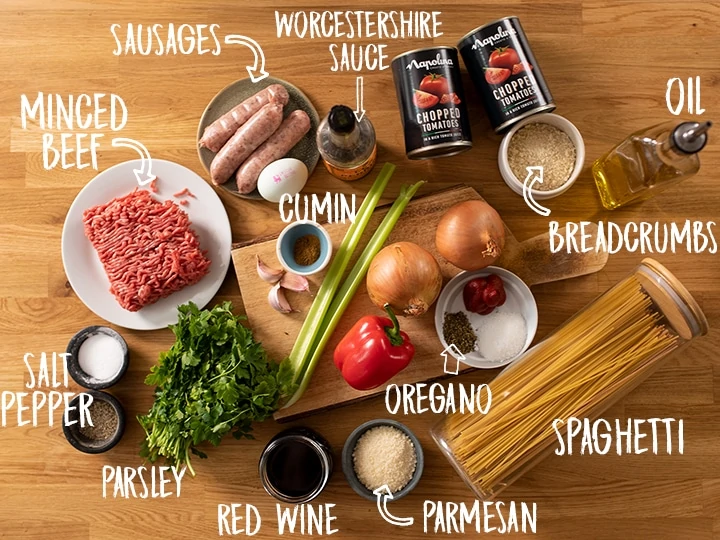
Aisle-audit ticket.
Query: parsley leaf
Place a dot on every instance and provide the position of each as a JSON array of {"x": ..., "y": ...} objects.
[{"x": 214, "y": 380}]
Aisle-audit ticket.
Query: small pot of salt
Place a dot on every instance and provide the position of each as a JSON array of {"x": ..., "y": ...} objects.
[{"x": 99, "y": 357}]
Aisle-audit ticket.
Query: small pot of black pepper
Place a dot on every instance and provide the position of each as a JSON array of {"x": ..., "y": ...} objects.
[{"x": 94, "y": 426}]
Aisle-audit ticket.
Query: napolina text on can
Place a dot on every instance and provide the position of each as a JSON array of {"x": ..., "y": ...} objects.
[
  {"x": 505, "y": 73},
  {"x": 432, "y": 102}
]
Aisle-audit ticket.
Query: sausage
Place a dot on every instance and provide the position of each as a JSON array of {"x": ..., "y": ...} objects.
[
  {"x": 293, "y": 128},
  {"x": 246, "y": 139},
  {"x": 218, "y": 133}
]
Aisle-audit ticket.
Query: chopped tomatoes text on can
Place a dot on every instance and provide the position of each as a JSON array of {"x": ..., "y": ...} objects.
[
  {"x": 505, "y": 73},
  {"x": 432, "y": 102}
]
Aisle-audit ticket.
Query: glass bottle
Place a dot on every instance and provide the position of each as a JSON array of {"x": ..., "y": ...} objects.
[
  {"x": 585, "y": 366},
  {"x": 649, "y": 161},
  {"x": 348, "y": 147}
]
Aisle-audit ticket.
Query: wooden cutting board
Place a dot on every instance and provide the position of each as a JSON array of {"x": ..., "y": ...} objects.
[{"x": 531, "y": 260}]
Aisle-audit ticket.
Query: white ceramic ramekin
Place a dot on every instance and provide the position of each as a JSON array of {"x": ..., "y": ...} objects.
[{"x": 516, "y": 184}]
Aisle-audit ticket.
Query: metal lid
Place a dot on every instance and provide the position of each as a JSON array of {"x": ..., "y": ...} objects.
[
  {"x": 435, "y": 48},
  {"x": 690, "y": 137},
  {"x": 491, "y": 23}
]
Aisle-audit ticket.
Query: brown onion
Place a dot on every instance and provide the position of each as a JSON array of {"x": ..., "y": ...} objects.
[
  {"x": 471, "y": 235},
  {"x": 406, "y": 277}
]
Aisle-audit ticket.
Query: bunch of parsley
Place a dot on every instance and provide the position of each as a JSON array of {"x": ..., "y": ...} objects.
[{"x": 215, "y": 379}]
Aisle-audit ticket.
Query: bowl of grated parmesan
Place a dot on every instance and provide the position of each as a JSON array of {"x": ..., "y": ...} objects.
[
  {"x": 543, "y": 142},
  {"x": 382, "y": 458}
]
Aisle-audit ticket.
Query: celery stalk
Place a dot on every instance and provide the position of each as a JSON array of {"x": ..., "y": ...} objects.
[
  {"x": 352, "y": 282},
  {"x": 301, "y": 352}
]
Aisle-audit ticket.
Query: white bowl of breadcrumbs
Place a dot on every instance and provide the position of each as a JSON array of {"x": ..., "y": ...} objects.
[{"x": 543, "y": 140}]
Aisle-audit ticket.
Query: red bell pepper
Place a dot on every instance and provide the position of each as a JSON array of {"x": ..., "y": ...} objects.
[{"x": 373, "y": 351}]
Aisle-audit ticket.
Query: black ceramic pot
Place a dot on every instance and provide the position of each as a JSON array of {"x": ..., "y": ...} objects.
[
  {"x": 73, "y": 349},
  {"x": 71, "y": 428}
]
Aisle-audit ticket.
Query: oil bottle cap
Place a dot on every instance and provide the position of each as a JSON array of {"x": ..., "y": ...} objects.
[
  {"x": 341, "y": 119},
  {"x": 690, "y": 137}
]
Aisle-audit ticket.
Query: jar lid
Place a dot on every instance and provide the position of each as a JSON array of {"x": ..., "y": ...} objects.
[{"x": 675, "y": 302}]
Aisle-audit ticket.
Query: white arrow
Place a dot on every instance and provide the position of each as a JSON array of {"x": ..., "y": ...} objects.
[
  {"x": 144, "y": 174},
  {"x": 535, "y": 174},
  {"x": 452, "y": 350},
  {"x": 257, "y": 70},
  {"x": 359, "y": 107},
  {"x": 383, "y": 493}
]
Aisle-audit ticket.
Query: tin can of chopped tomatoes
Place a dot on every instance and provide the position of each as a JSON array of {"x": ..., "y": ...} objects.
[
  {"x": 432, "y": 102},
  {"x": 505, "y": 73}
]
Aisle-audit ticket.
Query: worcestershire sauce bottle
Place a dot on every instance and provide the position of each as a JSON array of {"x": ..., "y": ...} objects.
[{"x": 348, "y": 147}]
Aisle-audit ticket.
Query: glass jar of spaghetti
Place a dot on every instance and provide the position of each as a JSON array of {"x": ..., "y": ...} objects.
[{"x": 581, "y": 369}]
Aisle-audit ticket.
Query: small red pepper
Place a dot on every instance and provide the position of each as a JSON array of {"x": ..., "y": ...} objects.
[{"x": 373, "y": 351}]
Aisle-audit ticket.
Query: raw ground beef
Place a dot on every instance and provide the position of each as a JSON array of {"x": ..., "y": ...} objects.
[{"x": 146, "y": 246}]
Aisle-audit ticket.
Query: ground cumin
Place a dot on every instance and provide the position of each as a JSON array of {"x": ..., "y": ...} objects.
[{"x": 306, "y": 250}]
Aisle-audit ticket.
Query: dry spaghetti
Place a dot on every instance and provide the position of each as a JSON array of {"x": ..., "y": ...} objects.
[
  {"x": 146, "y": 247},
  {"x": 598, "y": 354}
]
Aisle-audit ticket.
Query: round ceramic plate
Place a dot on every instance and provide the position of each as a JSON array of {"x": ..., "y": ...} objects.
[
  {"x": 234, "y": 94},
  {"x": 86, "y": 273},
  {"x": 519, "y": 300}
]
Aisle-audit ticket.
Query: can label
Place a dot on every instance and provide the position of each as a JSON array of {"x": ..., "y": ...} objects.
[
  {"x": 432, "y": 102},
  {"x": 505, "y": 73}
]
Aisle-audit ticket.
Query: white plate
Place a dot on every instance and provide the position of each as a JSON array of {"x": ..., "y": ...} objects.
[
  {"x": 519, "y": 300},
  {"x": 82, "y": 264}
]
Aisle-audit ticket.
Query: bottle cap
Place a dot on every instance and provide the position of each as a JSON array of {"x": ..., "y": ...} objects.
[
  {"x": 690, "y": 137},
  {"x": 341, "y": 119}
]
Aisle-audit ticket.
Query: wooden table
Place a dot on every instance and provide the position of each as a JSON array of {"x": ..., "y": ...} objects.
[{"x": 607, "y": 63}]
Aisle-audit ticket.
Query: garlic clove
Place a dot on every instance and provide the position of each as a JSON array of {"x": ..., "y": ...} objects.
[
  {"x": 277, "y": 300},
  {"x": 294, "y": 282},
  {"x": 266, "y": 273}
]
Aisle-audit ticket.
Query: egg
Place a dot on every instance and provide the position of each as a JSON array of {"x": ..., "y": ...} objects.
[{"x": 287, "y": 175}]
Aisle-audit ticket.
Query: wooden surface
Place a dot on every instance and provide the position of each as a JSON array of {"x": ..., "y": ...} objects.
[
  {"x": 607, "y": 64},
  {"x": 417, "y": 224}
]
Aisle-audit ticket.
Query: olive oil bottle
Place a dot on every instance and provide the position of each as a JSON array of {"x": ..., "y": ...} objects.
[{"x": 649, "y": 161}]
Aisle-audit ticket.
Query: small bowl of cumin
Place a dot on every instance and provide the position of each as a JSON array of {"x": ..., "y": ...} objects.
[
  {"x": 304, "y": 247},
  {"x": 106, "y": 415},
  {"x": 545, "y": 140}
]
